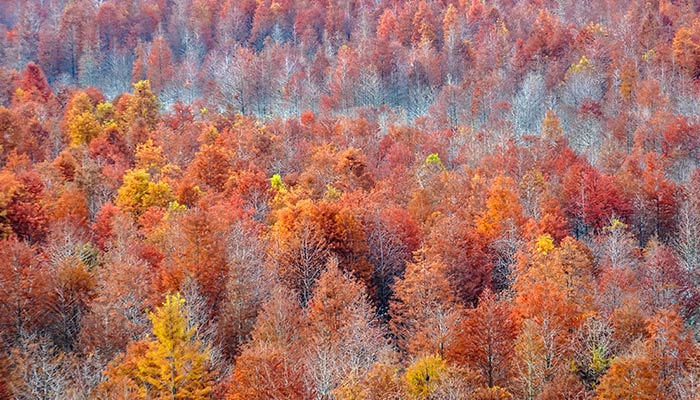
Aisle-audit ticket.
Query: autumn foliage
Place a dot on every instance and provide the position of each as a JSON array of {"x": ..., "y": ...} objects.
[{"x": 336, "y": 199}]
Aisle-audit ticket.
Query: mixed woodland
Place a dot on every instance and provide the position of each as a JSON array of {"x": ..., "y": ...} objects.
[{"x": 350, "y": 199}]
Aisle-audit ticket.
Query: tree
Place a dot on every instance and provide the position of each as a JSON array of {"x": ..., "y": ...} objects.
[
  {"x": 77, "y": 32},
  {"x": 663, "y": 281},
  {"x": 687, "y": 241},
  {"x": 500, "y": 224},
  {"x": 75, "y": 289},
  {"x": 549, "y": 38},
  {"x": 344, "y": 80},
  {"x": 424, "y": 376},
  {"x": 551, "y": 129},
  {"x": 424, "y": 314},
  {"x": 486, "y": 339},
  {"x": 424, "y": 26},
  {"x": 668, "y": 348},
  {"x": 34, "y": 84},
  {"x": 592, "y": 198},
  {"x": 172, "y": 365},
  {"x": 549, "y": 284},
  {"x": 392, "y": 237},
  {"x": 138, "y": 70},
  {"x": 22, "y": 201},
  {"x": 196, "y": 248},
  {"x": 503, "y": 210},
  {"x": 386, "y": 34},
  {"x": 139, "y": 113},
  {"x": 309, "y": 233},
  {"x": 686, "y": 48},
  {"x": 40, "y": 371},
  {"x": 655, "y": 198},
  {"x": 139, "y": 192},
  {"x": 211, "y": 167},
  {"x": 24, "y": 290},
  {"x": 269, "y": 366},
  {"x": 304, "y": 249},
  {"x": 342, "y": 335},
  {"x": 265, "y": 372},
  {"x": 81, "y": 123},
  {"x": 117, "y": 314},
  {"x": 249, "y": 283},
  {"x": 160, "y": 70},
  {"x": 629, "y": 377},
  {"x": 464, "y": 255}
]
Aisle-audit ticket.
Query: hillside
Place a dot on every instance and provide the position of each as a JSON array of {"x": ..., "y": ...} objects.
[{"x": 349, "y": 199}]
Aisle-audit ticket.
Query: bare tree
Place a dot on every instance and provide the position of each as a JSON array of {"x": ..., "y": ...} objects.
[
  {"x": 687, "y": 240},
  {"x": 529, "y": 105}
]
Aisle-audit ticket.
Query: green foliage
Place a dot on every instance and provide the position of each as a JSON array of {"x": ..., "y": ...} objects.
[
  {"x": 434, "y": 159},
  {"x": 599, "y": 363},
  {"x": 104, "y": 112},
  {"x": 277, "y": 183},
  {"x": 332, "y": 193}
]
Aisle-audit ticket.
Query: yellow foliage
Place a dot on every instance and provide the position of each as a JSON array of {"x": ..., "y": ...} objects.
[
  {"x": 105, "y": 112},
  {"x": 550, "y": 126},
  {"x": 139, "y": 192},
  {"x": 615, "y": 224},
  {"x": 545, "y": 244},
  {"x": 583, "y": 66},
  {"x": 82, "y": 128},
  {"x": 81, "y": 122},
  {"x": 503, "y": 210},
  {"x": 332, "y": 193},
  {"x": 501, "y": 28},
  {"x": 142, "y": 107},
  {"x": 596, "y": 28},
  {"x": 628, "y": 76},
  {"x": 172, "y": 365},
  {"x": 424, "y": 376},
  {"x": 149, "y": 157},
  {"x": 434, "y": 159}
]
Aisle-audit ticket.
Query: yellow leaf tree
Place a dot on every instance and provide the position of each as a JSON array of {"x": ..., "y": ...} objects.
[
  {"x": 80, "y": 120},
  {"x": 424, "y": 375},
  {"x": 139, "y": 192},
  {"x": 173, "y": 364}
]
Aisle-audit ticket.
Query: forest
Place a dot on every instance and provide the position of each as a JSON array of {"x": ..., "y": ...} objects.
[{"x": 350, "y": 199}]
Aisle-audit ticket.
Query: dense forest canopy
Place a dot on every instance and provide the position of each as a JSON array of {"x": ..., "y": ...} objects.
[{"x": 349, "y": 199}]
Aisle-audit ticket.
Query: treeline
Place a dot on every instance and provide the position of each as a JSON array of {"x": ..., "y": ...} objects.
[{"x": 483, "y": 65}]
